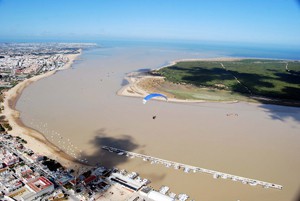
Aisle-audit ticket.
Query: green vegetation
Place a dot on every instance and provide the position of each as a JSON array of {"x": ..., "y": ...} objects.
[
  {"x": 87, "y": 174},
  {"x": 1, "y": 128},
  {"x": 7, "y": 126},
  {"x": 240, "y": 78},
  {"x": 68, "y": 186},
  {"x": 1, "y": 97},
  {"x": 294, "y": 66},
  {"x": 21, "y": 140},
  {"x": 14, "y": 83},
  {"x": 52, "y": 165}
]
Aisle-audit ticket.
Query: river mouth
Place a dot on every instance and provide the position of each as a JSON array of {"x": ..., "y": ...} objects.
[{"x": 78, "y": 110}]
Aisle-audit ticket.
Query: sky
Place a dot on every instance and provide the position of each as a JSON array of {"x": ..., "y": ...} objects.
[{"x": 239, "y": 21}]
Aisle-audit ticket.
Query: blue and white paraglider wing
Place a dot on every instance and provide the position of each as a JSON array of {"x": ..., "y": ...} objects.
[{"x": 153, "y": 95}]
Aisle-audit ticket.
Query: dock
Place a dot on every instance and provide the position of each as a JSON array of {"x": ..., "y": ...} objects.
[{"x": 189, "y": 168}]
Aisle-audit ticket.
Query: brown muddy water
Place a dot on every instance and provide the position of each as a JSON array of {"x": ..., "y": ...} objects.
[{"x": 78, "y": 110}]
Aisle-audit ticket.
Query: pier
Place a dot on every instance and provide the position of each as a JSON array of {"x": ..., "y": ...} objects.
[{"x": 189, "y": 168}]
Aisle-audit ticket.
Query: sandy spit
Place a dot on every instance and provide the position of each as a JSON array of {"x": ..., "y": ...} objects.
[{"x": 134, "y": 90}]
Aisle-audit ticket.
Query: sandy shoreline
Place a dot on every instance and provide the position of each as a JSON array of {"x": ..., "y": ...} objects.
[
  {"x": 201, "y": 59},
  {"x": 35, "y": 140},
  {"x": 132, "y": 89}
]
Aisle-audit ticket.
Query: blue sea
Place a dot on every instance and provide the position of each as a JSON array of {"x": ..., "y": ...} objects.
[
  {"x": 221, "y": 48},
  {"x": 226, "y": 49}
]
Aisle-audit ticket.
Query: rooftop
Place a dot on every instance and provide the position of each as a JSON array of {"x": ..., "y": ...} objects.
[{"x": 39, "y": 184}]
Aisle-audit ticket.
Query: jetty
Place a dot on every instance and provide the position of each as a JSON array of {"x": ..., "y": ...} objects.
[{"x": 190, "y": 168}]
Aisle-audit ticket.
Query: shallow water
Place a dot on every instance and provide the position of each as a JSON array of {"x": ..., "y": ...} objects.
[{"x": 78, "y": 110}]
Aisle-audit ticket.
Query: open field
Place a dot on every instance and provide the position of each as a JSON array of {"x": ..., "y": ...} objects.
[
  {"x": 237, "y": 79},
  {"x": 177, "y": 91}
]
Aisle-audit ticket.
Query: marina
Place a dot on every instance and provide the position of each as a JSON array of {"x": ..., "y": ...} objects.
[{"x": 193, "y": 169}]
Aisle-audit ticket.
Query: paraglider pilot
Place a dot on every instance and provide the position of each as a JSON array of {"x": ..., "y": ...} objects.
[{"x": 150, "y": 96}]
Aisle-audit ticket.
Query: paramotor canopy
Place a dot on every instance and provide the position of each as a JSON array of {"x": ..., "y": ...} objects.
[{"x": 153, "y": 95}]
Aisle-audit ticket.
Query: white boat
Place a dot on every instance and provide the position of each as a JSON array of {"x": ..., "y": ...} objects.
[
  {"x": 176, "y": 167},
  {"x": 132, "y": 175},
  {"x": 164, "y": 189},
  {"x": 183, "y": 197},
  {"x": 186, "y": 170},
  {"x": 216, "y": 176},
  {"x": 139, "y": 179},
  {"x": 224, "y": 176},
  {"x": 123, "y": 172},
  {"x": 146, "y": 181},
  {"x": 172, "y": 195},
  {"x": 253, "y": 183}
]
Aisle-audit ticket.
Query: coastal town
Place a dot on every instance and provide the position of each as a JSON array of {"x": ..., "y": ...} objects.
[
  {"x": 26, "y": 174},
  {"x": 19, "y": 61}
]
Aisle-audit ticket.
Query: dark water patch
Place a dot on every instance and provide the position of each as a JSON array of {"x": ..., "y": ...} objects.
[
  {"x": 124, "y": 82},
  {"x": 165, "y": 64},
  {"x": 282, "y": 112},
  {"x": 105, "y": 158},
  {"x": 143, "y": 70},
  {"x": 298, "y": 195}
]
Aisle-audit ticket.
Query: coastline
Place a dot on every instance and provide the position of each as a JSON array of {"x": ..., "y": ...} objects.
[
  {"x": 35, "y": 140},
  {"x": 171, "y": 63},
  {"x": 132, "y": 89}
]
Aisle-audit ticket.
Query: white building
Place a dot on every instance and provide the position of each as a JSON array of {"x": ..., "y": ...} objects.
[{"x": 36, "y": 188}]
